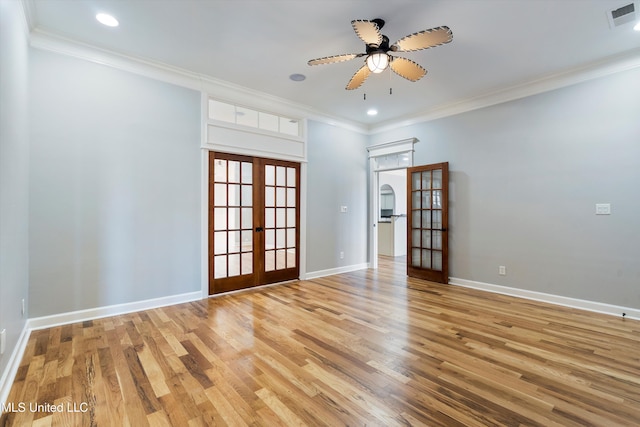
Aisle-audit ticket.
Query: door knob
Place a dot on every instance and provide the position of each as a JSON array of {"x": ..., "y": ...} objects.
[{"x": 259, "y": 229}]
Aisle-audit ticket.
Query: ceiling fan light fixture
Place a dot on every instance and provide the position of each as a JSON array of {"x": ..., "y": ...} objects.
[{"x": 377, "y": 62}]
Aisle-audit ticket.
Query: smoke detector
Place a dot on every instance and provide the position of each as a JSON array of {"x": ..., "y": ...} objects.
[{"x": 624, "y": 14}]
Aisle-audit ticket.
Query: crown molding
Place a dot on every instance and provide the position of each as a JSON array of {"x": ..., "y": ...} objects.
[
  {"x": 611, "y": 65},
  {"x": 217, "y": 88}
]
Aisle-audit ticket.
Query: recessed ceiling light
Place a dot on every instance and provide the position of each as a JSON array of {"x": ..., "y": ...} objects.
[
  {"x": 372, "y": 112},
  {"x": 106, "y": 19},
  {"x": 637, "y": 27},
  {"x": 297, "y": 77}
]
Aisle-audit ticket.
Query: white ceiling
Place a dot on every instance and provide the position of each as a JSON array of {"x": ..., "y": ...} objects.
[{"x": 257, "y": 44}]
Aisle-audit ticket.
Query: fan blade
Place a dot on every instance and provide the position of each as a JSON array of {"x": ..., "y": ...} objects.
[
  {"x": 407, "y": 68},
  {"x": 358, "y": 78},
  {"x": 368, "y": 31},
  {"x": 334, "y": 58},
  {"x": 423, "y": 40}
]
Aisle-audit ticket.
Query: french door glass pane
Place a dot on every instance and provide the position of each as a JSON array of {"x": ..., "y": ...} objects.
[
  {"x": 234, "y": 265},
  {"x": 220, "y": 242},
  {"x": 291, "y": 237},
  {"x": 281, "y": 197},
  {"x": 247, "y": 218},
  {"x": 426, "y": 259},
  {"x": 269, "y": 260},
  {"x": 234, "y": 241},
  {"x": 291, "y": 177},
  {"x": 437, "y": 178},
  {"x": 426, "y": 180},
  {"x": 219, "y": 266},
  {"x": 437, "y": 199},
  {"x": 437, "y": 220},
  {"x": 437, "y": 261},
  {"x": 291, "y": 197},
  {"x": 247, "y": 263},
  {"x": 234, "y": 195},
  {"x": 269, "y": 196},
  {"x": 270, "y": 239},
  {"x": 426, "y": 199},
  {"x": 220, "y": 171},
  {"x": 281, "y": 238},
  {"x": 437, "y": 239},
  {"x": 281, "y": 217},
  {"x": 415, "y": 219},
  {"x": 291, "y": 217},
  {"x": 291, "y": 258},
  {"x": 247, "y": 173},
  {"x": 234, "y": 218},
  {"x": 247, "y": 241},
  {"x": 220, "y": 218},
  {"x": 415, "y": 181},
  {"x": 247, "y": 195},
  {"x": 415, "y": 198},
  {"x": 426, "y": 219},
  {"x": 234, "y": 171},
  {"x": 280, "y": 176},
  {"x": 415, "y": 237},
  {"x": 415, "y": 257},
  {"x": 270, "y": 175},
  {"x": 269, "y": 218},
  {"x": 426, "y": 239},
  {"x": 220, "y": 195}
]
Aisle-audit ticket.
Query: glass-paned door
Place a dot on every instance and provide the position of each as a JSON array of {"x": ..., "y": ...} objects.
[
  {"x": 281, "y": 218},
  {"x": 428, "y": 214},
  {"x": 253, "y": 217}
]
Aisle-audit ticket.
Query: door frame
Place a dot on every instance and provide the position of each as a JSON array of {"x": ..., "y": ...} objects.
[{"x": 380, "y": 150}]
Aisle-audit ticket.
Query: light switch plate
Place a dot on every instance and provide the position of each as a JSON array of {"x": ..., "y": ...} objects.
[{"x": 603, "y": 209}]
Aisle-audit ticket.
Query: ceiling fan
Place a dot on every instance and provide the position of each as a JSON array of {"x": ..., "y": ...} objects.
[{"x": 378, "y": 49}]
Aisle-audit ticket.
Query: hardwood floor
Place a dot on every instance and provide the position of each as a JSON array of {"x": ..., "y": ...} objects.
[{"x": 367, "y": 348}]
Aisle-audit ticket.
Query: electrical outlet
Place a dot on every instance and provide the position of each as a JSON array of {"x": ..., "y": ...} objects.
[
  {"x": 502, "y": 270},
  {"x": 343, "y": 209},
  {"x": 341, "y": 255}
]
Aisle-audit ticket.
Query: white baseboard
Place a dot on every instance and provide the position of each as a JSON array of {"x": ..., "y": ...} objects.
[
  {"x": 597, "y": 307},
  {"x": 332, "y": 271},
  {"x": 111, "y": 310},
  {"x": 6, "y": 381}
]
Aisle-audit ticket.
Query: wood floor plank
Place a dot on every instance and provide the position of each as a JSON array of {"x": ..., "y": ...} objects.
[{"x": 369, "y": 347}]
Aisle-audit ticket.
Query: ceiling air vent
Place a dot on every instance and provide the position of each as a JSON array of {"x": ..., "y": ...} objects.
[{"x": 622, "y": 15}]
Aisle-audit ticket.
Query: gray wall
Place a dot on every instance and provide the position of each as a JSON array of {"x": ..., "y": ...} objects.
[
  {"x": 114, "y": 186},
  {"x": 525, "y": 178},
  {"x": 337, "y": 176},
  {"x": 14, "y": 174}
]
